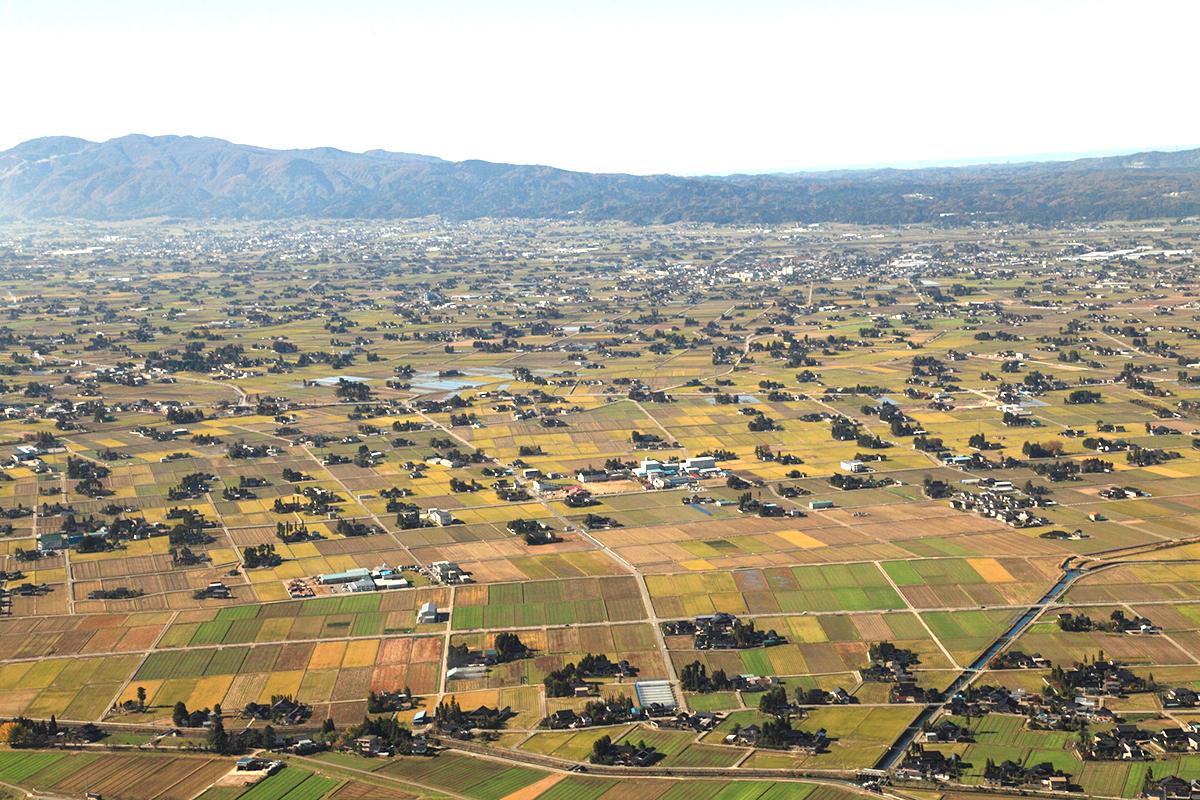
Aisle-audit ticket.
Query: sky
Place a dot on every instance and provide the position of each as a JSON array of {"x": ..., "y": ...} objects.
[{"x": 695, "y": 87}]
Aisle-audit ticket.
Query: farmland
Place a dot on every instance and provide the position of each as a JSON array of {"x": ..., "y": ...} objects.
[{"x": 550, "y": 495}]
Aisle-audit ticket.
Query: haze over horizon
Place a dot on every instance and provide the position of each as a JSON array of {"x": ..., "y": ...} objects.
[{"x": 664, "y": 87}]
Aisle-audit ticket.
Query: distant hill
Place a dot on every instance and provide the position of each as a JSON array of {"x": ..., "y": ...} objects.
[{"x": 181, "y": 176}]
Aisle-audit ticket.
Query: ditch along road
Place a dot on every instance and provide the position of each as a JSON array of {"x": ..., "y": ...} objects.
[{"x": 1072, "y": 568}]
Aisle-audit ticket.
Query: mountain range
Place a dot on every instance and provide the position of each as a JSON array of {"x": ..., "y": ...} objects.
[{"x": 135, "y": 177}]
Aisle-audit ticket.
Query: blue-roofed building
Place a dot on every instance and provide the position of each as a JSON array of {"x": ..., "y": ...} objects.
[{"x": 349, "y": 576}]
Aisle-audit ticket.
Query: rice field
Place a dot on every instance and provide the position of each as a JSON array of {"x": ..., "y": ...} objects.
[
  {"x": 550, "y": 363},
  {"x": 578, "y": 601}
]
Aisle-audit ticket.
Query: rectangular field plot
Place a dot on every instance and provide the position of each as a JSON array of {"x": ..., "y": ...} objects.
[
  {"x": 79, "y": 689},
  {"x": 570, "y": 602},
  {"x": 831, "y": 587},
  {"x": 965, "y": 582},
  {"x": 1139, "y": 583}
]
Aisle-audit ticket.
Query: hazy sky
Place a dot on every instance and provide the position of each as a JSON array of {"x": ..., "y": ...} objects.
[{"x": 647, "y": 86}]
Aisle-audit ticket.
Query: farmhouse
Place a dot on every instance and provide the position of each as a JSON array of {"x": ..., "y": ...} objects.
[
  {"x": 428, "y": 613},
  {"x": 1173, "y": 788},
  {"x": 448, "y": 572}
]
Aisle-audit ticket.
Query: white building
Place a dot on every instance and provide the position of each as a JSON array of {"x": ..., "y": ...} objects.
[
  {"x": 700, "y": 464},
  {"x": 448, "y": 572}
]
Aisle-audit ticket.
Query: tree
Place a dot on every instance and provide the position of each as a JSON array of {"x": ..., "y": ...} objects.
[
  {"x": 774, "y": 701},
  {"x": 694, "y": 678},
  {"x": 179, "y": 714},
  {"x": 509, "y": 646},
  {"x": 141, "y": 698},
  {"x": 602, "y": 750},
  {"x": 218, "y": 739}
]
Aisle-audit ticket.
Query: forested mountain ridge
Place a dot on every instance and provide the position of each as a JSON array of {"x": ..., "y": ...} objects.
[{"x": 137, "y": 176}]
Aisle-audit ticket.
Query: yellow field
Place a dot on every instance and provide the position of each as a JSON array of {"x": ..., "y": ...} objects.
[
  {"x": 800, "y": 539},
  {"x": 991, "y": 570},
  {"x": 327, "y": 655},
  {"x": 209, "y": 691},
  {"x": 281, "y": 683},
  {"x": 360, "y": 653},
  {"x": 269, "y": 592},
  {"x": 806, "y": 630}
]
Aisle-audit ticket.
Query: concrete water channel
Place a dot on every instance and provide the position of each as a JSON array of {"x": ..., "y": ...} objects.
[{"x": 901, "y": 745}]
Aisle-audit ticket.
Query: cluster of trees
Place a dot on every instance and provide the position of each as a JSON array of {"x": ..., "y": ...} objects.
[
  {"x": 449, "y": 716},
  {"x": 458, "y": 485},
  {"x": 1082, "y": 397},
  {"x": 1066, "y": 470},
  {"x": 378, "y": 703},
  {"x": 761, "y": 422},
  {"x": 239, "y": 450},
  {"x": 117, "y": 593},
  {"x": 748, "y": 504},
  {"x": 509, "y": 647},
  {"x": 979, "y": 441},
  {"x": 774, "y": 701},
  {"x": 562, "y": 682},
  {"x": 1148, "y": 456},
  {"x": 844, "y": 430},
  {"x": 24, "y": 732},
  {"x": 262, "y": 555},
  {"x": 606, "y": 753},
  {"x": 352, "y": 391},
  {"x": 89, "y": 475},
  {"x": 181, "y": 717},
  {"x": 695, "y": 678},
  {"x": 1050, "y": 449},
  {"x": 1116, "y": 623},
  {"x": 191, "y": 487},
  {"x": 640, "y": 439},
  {"x": 398, "y": 738},
  {"x": 849, "y": 483},
  {"x": 612, "y": 711},
  {"x": 929, "y": 444},
  {"x": 1017, "y": 420},
  {"x": 289, "y": 532},
  {"x": 348, "y": 528},
  {"x": 776, "y": 733}
]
